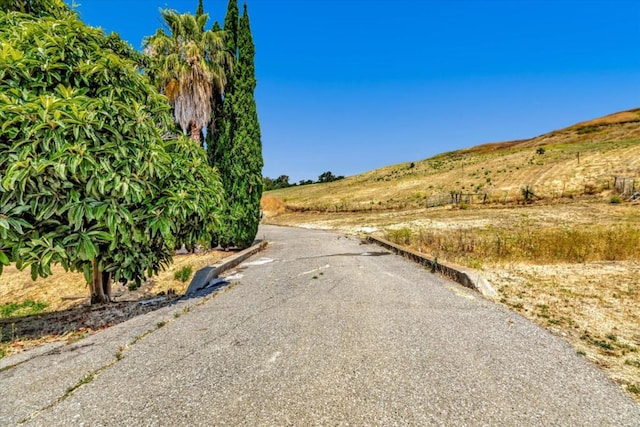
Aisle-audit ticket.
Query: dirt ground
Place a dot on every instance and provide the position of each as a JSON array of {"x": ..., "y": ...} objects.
[
  {"x": 68, "y": 314},
  {"x": 65, "y": 289},
  {"x": 594, "y": 306}
]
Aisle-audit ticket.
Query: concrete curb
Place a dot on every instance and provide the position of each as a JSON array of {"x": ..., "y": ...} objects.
[
  {"x": 203, "y": 277},
  {"x": 465, "y": 276}
]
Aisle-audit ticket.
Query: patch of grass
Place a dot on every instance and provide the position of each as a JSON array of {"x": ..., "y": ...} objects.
[
  {"x": 25, "y": 308},
  {"x": 615, "y": 199},
  {"x": 401, "y": 236},
  {"x": 632, "y": 362},
  {"x": 132, "y": 286},
  {"x": 634, "y": 388},
  {"x": 85, "y": 380},
  {"x": 601, "y": 344},
  {"x": 184, "y": 273},
  {"x": 582, "y": 130},
  {"x": 140, "y": 337}
]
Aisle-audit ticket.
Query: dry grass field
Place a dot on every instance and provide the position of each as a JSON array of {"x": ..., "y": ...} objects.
[{"x": 565, "y": 254}]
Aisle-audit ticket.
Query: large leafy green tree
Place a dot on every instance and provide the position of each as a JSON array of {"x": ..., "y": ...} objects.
[
  {"x": 238, "y": 155},
  {"x": 35, "y": 7},
  {"x": 86, "y": 180},
  {"x": 188, "y": 65}
]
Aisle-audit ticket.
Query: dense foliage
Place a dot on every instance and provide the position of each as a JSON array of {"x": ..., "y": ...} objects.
[
  {"x": 275, "y": 184},
  {"x": 238, "y": 152},
  {"x": 222, "y": 117},
  {"x": 85, "y": 177},
  {"x": 329, "y": 177},
  {"x": 37, "y": 8}
]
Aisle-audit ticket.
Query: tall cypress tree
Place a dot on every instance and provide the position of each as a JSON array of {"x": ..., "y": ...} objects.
[
  {"x": 200, "y": 10},
  {"x": 222, "y": 123},
  {"x": 238, "y": 151},
  {"x": 231, "y": 21},
  {"x": 246, "y": 150},
  {"x": 217, "y": 124}
]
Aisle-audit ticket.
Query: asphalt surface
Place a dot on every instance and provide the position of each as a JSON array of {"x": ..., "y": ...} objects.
[{"x": 318, "y": 329}]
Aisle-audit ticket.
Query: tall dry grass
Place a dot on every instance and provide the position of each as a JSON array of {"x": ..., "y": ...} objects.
[{"x": 571, "y": 244}]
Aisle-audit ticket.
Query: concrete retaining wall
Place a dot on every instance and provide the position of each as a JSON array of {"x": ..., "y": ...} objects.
[{"x": 465, "y": 276}]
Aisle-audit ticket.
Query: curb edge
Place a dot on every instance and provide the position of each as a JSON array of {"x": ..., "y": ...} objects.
[
  {"x": 205, "y": 275},
  {"x": 467, "y": 277}
]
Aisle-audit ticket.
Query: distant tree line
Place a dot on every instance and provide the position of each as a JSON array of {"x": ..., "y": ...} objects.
[{"x": 283, "y": 181}]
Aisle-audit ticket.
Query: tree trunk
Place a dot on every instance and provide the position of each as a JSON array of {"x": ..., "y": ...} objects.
[
  {"x": 100, "y": 286},
  {"x": 106, "y": 285},
  {"x": 195, "y": 133}
]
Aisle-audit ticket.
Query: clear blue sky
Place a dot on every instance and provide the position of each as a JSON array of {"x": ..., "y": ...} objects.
[{"x": 353, "y": 85}]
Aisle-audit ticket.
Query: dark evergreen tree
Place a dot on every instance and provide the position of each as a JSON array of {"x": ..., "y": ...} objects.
[
  {"x": 221, "y": 127},
  {"x": 231, "y": 21},
  {"x": 238, "y": 152},
  {"x": 200, "y": 10},
  {"x": 246, "y": 148},
  {"x": 220, "y": 130}
]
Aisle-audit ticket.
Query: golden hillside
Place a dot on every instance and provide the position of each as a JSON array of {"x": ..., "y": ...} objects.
[{"x": 580, "y": 159}]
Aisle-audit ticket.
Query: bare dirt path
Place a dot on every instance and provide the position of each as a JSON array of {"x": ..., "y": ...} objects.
[{"x": 319, "y": 329}]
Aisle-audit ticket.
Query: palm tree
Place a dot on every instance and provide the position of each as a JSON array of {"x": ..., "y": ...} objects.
[{"x": 188, "y": 66}]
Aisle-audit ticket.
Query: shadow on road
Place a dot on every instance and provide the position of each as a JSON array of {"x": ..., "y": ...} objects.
[{"x": 373, "y": 254}]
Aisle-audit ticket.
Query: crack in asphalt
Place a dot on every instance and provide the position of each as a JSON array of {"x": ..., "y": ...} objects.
[{"x": 119, "y": 356}]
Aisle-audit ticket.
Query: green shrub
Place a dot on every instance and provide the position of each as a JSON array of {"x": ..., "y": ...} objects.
[
  {"x": 184, "y": 273},
  {"x": 132, "y": 286},
  {"x": 527, "y": 194},
  {"x": 634, "y": 388}
]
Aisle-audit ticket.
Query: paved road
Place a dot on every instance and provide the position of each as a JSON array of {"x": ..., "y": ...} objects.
[{"x": 319, "y": 329}]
